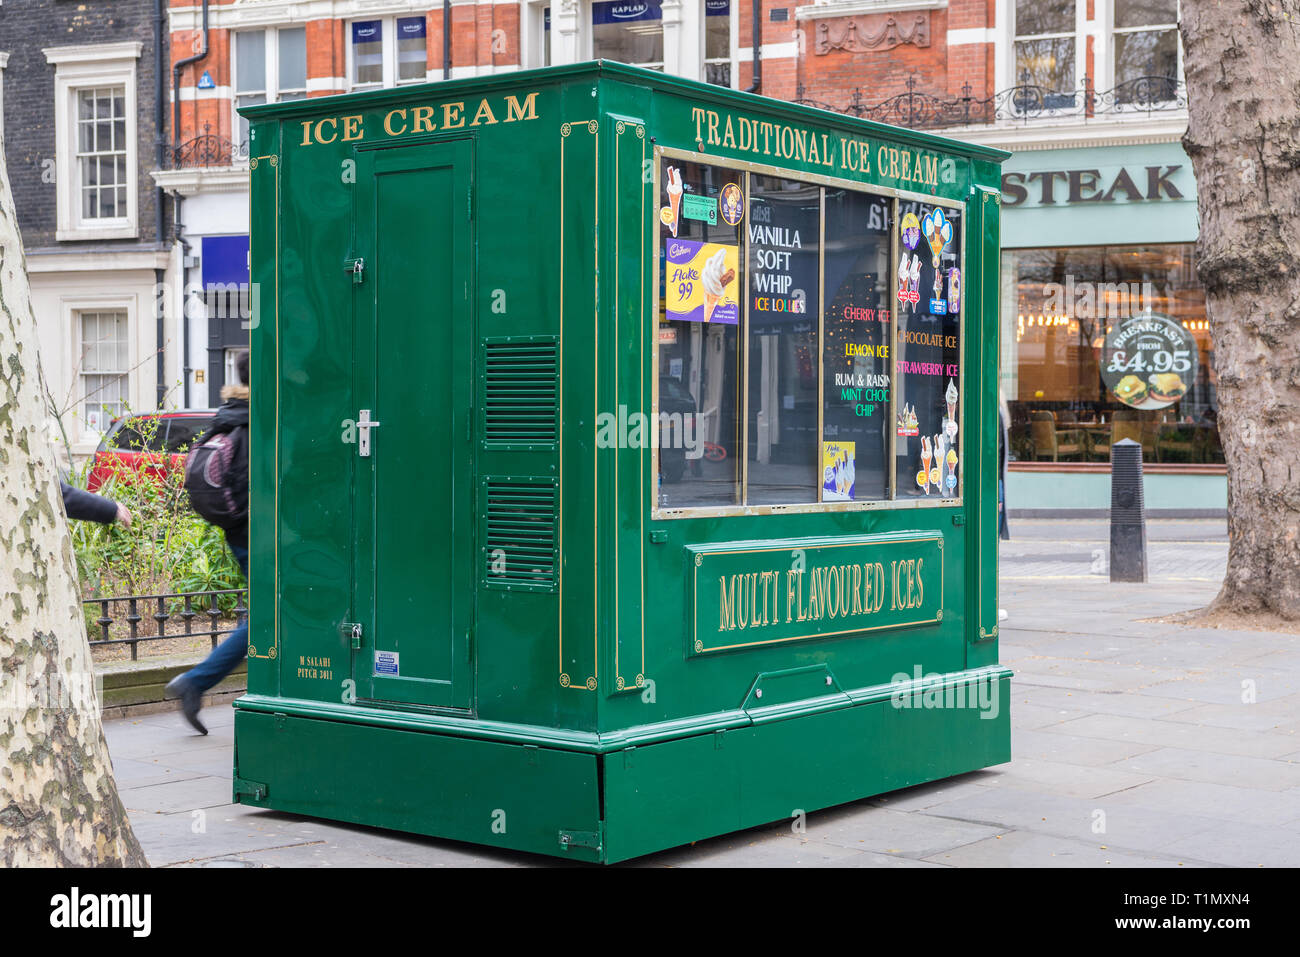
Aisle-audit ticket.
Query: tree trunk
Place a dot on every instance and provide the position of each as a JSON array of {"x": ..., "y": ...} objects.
[
  {"x": 58, "y": 802},
  {"x": 1242, "y": 64}
]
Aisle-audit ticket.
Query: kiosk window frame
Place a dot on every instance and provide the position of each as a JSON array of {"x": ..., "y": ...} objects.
[{"x": 896, "y": 198}]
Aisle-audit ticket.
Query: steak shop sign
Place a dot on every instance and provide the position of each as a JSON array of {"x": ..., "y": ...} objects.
[{"x": 760, "y": 593}]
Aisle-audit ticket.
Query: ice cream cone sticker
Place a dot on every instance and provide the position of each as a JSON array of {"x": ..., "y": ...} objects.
[
  {"x": 923, "y": 476},
  {"x": 938, "y": 233},
  {"x": 670, "y": 215},
  {"x": 950, "y": 395},
  {"x": 902, "y": 280},
  {"x": 914, "y": 293}
]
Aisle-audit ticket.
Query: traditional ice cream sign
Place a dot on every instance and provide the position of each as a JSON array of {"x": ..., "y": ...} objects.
[{"x": 757, "y": 137}]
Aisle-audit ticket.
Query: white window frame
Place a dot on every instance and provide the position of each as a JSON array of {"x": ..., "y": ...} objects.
[
  {"x": 271, "y": 57},
  {"x": 534, "y": 38},
  {"x": 388, "y": 52},
  {"x": 683, "y": 26},
  {"x": 73, "y": 309},
  {"x": 1110, "y": 31},
  {"x": 1080, "y": 34},
  {"x": 84, "y": 67},
  {"x": 734, "y": 35},
  {"x": 667, "y": 9}
]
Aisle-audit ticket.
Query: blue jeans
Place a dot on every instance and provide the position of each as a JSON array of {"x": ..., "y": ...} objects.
[{"x": 227, "y": 655}]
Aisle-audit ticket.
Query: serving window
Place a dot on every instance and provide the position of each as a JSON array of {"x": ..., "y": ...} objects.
[{"x": 808, "y": 343}]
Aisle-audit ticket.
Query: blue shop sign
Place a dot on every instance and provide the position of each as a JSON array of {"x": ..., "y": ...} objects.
[
  {"x": 224, "y": 260},
  {"x": 625, "y": 11}
]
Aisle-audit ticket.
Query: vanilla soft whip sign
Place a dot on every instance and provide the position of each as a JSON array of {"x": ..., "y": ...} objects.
[{"x": 702, "y": 282}]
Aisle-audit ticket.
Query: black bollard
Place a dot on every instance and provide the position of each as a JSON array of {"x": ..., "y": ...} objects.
[{"x": 1128, "y": 517}]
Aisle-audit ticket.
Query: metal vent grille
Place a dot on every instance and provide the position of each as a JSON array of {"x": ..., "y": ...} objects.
[
  {"x": 520, "y": 523},
  {"x": 521, "y": 392}
]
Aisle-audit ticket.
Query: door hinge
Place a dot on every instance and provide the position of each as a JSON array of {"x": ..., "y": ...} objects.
[
  {"x": 352, "y": 631},
  {"x": 356, "y": 267},
  {"x": 253, "y": 789},
  {"x": 469, "y": 203}
]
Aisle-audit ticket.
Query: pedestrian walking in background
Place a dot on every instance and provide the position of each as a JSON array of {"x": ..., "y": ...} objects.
[{"x": 216, "y": 477}]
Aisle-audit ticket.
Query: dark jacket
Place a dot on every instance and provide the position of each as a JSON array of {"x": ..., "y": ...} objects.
[
  {"x": 87, "y": 505},
  {"x": 233, "y": 415}
]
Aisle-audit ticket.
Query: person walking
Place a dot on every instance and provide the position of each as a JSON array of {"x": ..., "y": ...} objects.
[
  {"x": 225, "y": 448},
  {"x": 89, "y": 507}
]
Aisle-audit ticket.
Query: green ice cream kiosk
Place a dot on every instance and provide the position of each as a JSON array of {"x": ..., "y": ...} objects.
[{"x": 623, "y": 461}]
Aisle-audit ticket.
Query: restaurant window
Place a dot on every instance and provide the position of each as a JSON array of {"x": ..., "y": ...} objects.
[
  {"x": 1045, "y": 49},
  {"x": 1108, "y": 343},
  {"x": 1146, "y": 50},
  {"x": 777, "y": 347},
  {"x": 629, "y": 31}
]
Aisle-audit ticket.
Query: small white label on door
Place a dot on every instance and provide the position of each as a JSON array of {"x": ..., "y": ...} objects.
[{"x": 387, "y": 664}]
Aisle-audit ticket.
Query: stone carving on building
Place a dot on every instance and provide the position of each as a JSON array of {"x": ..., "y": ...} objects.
[{"x": 856, "y": 36}]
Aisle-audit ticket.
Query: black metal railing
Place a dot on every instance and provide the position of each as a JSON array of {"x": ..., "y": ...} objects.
[
  {"x": 208, "y": 149},
  {"x": 186, "y": 609},
  {"x": 1024, "y": 103}
]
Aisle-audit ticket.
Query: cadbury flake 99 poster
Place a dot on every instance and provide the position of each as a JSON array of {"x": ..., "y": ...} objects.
[{"x": 701, "y": 282}]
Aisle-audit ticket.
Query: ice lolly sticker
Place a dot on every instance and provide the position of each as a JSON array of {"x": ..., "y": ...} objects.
[
  {"x": 838, "y": 468},
  {"x": 954, "y": 290},
  {"x": 701, "y": 281}
]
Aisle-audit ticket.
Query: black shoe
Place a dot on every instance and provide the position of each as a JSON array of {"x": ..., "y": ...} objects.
[{"x": 191, "y": 701}]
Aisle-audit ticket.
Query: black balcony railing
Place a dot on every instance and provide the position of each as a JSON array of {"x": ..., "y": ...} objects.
[
  {"x": 208, "y": 149},
  {"x": 1021, "y": 104},
  {"x": 159, "y": 617}
]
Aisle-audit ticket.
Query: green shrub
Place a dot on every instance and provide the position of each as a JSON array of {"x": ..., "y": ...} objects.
[{"x": 168, "y": 548}]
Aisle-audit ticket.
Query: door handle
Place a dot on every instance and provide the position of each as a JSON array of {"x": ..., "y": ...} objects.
[{"x": 364, "y": 425}]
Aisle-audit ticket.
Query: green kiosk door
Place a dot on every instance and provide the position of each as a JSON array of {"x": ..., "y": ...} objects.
[{"x": 414, "y": 539}]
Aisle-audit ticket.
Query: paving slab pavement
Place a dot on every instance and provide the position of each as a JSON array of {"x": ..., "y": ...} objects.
[{"x": 1135, "y": 743}]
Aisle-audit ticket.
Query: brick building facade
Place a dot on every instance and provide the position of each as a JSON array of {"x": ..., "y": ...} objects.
[
  {"x": 80, "y": 106},
  {"x": 1083, "y": 92}
]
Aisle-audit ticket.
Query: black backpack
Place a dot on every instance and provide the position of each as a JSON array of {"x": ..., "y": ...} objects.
[{"x": 210, "y": 481}]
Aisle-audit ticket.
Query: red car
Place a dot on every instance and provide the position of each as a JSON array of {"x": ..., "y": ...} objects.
[{"x": 152, "y": 444}]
